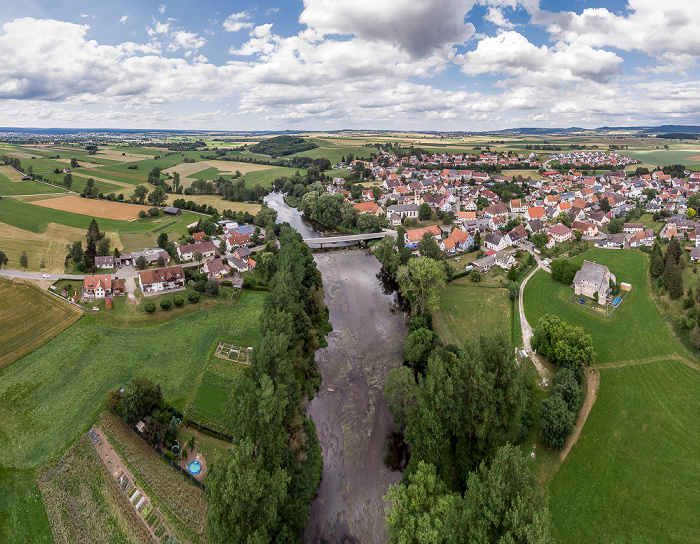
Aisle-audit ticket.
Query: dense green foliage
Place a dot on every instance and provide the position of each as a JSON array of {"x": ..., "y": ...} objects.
[
  {"x": 261, "y": 490},
  {"x": 564, "y": 270},
  {"x": 419, "y": 281},
  {"x": 563, "y": 344},
  {"x": 280, "y": 146}
]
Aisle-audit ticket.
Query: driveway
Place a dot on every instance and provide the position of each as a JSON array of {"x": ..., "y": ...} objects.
[{"x": 130, "y": 287}]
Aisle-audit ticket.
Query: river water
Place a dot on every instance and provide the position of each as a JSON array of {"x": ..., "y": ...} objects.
[{"x": 351, "y": 416}]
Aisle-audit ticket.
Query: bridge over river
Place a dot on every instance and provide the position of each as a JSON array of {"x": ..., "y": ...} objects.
[{"x": 347, "y": 239}]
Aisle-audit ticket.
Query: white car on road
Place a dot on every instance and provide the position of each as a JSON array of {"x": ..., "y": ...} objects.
[{"x": 46, "y": 276}]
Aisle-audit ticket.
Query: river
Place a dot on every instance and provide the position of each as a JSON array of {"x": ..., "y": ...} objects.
[{"x": 350, "y": 413}]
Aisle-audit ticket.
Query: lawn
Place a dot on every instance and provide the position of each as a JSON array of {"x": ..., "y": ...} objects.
[
  {"x": 11, "y": 188},
  {"x": 58, "y": 389},
  {"x": 635, "y": 330},
  {"x": 266, "y": 177},
  {"x": 467, "y": 310},
  {"x": 29, "y": 317},
  {"x": 207, "y": 445},
  {"x": 647, "y": 220},
  {"x": 22, "y": 514},
  {"x": 634, "y": 474},
  {"x": 85, "y": 503}
]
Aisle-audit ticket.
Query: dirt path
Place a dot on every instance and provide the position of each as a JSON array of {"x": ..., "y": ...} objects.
[
  {"x": 634, "y": 362},
  {"x": 593, "y": 384},
  {"x": 117, "y": 468}
]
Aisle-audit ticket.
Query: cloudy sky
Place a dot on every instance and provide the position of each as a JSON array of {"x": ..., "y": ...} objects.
[{"x": 333, "y": 64}]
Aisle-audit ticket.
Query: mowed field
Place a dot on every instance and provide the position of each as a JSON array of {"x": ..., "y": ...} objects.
[
  {"x": 11, "y": 184},
  {"x": 634, "y": 331},
  {"x": 466, "y": 311},
  {"x": 634, "y": 473},
  {"x": 48, "y": 246},
  {"x": 105, "y": 209},
  {"x": 29, "y": 317}
]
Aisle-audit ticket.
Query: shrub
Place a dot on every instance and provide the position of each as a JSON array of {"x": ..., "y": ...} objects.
[
  {"x": 475, "y": 275},
  {"x": 82, "y": 266},
  {"x": 556, "y": 421},
  {"x": 166, "y": 303},
  {"x": 688, "y": 302},
  {"x": 150, "y": 307},
  {"x": 212, "y": 287},
  {"x": 179, "y": 300},
  {"x": 142, "y": 214},
  {"x": 193, "y": 297},
  {"x": 153, "y": 212},
  {"x": 568, "y": 388},
  {"x": 564, "y": 271}
]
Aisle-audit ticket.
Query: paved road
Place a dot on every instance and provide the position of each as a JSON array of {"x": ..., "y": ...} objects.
[{"x": 525, "y": 326}]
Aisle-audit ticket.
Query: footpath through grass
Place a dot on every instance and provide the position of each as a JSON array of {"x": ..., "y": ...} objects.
[
  {"x": 634, "y": 473},
  {"x": 635, "y": 330},
  {"x": 50, "y": 397}
]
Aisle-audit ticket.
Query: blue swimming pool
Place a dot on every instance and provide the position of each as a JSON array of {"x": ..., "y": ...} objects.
[
  {"x": 194, "y": 467},
  {"x": 616, "y": 302}
]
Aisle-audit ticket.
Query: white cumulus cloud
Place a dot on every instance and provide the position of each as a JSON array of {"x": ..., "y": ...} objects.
[{"x": 237, "y": 21}]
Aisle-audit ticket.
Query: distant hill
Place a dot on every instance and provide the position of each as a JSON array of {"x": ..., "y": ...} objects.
[{"x": 282, "y": 145}]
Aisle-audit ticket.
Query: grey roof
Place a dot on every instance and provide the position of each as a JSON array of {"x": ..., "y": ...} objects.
[
  {"x": 591, "y": 272},
  {"x": 403, "y": 208}
]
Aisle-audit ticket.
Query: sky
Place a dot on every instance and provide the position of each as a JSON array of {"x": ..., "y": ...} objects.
[{"x": 443, "y": 65}]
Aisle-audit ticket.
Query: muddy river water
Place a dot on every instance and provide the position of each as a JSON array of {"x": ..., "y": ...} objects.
[{"x": 350, "y": 413}]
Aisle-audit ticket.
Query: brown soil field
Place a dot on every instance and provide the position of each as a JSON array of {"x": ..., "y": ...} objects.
[
  {"x": 83, "y": 164},
  {"x": 49, "y": 246},
  {"x": 94, "y": 208},
  {"x": 232, "y": 166},
  {"x": 187, "y": 169},
  {"x": 693, "y": 158},
  {"x": 105, "y": 180},
  {"x": 29, "y": 317},
  {"x": 10, "y": 173}
]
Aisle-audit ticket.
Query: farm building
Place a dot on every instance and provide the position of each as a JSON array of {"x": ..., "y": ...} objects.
[{"x": 172, "y": 211}]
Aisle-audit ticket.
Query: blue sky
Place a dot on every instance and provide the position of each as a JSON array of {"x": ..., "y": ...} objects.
[{"x": 334, "y": 64}]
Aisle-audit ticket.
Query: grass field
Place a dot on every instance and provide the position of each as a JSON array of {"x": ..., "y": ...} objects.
[
  {"x": 58, "y": 389},
  {"x": 633, "y": 476},
  {"x": 335, "y": 149},
  {"x": 84, "y": 502},
  {"x": 48, "y": 246},
  {"x": 634, "y": 331},
  {"x": 22, "y": 514},
  {"x": 11, "y": 184},
  {"x": 467, "y": 311},
  {"x": 29, "y": 317},
  {"x": 661, "y": 157},
  {"x": 266, "y": 177}
]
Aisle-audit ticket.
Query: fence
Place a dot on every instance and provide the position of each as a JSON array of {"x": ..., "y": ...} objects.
[
  {"x": 207, "y": 430},
  {"x": 178, "y": 467}
]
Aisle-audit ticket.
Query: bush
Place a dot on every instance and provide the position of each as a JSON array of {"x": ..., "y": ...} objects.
[
  {"x": 153, "y": 212},
  {"x": 82, "y": 266},
  {"x": 193, "y": 297},
  {"x": 688, "y": 302},
  {"x": 150, "y": 307},
  {"x": 179, "y": 300},
  {"x": 566, "y": 385},
  {"x": 564, "y": 271},
  {"x": 475, "y": 275},
  {"x": 142, "y": 214},
  {"x": 166, "y": 303},
  {"x": 212, "y": 287},
  {"x": 199, "y": 286},
  {"x": 227, "y": 283}
]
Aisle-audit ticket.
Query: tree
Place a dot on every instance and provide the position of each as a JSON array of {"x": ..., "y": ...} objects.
[
  {"x": 158, "y": 196},
  {"x": 674, "y": 251},
  {"x": 578, "y": 235},
  {"x": 540, "y": 239},
  {"x": 453, "y": 433},
  {"x": 166, "y": 304},
  {"x": 150, "y": 306},
  {"x": 512, "y": 273},
  {"x": 93, "y": 237},
  {"x": 244, "y": 495},
  {"x": 193, "y": 297},
  {"x": 424, "y": 211},
  {"x": 428, "y": 247},
  {"x": 556, "y": 421},
  {"x": 76, "y": 251},
  {"x": 140, "y": 193},
  {"x": 3, "y": 259},
  {"x": 419, "y": 281},
  {"x": 503, "y": 502},
  {"x": 103, "y": 247},
  {"x": 420, "y": 508},
  {"x": 163, "y": 240},
  {"x": 24, "y": 259},
  {"x": 140, "y": 397},
  {"x": 656, "y": 263},
  {"x": 564, "y": 218},
  {"x": 475, "y": 275},
  {"x": 513, "y": 290},
  {"x": 68, "y": 180},
  {"x": 141, "y": 262},
  {"x": 477, "y": 240},
  {"x": 673, "y": 280},
  {"x": 604, "y": 204},
  {"x": 567, "y": 387},
  {"x": 400, "y": 394},
  {"x": 197, "y": 257},
  {"x": 212, "y": 288},
  {"x": 74, "y": 163},
  {"x": 179, "y": 300},
  {"x": 564, "y": 270},
  {"x": 160, "y": 263},
  {"x": 615, "y": 226},
  {"x": 417, "y": 347}
]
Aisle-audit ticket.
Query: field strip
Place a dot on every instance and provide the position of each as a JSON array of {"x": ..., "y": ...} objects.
[
  {"x": 230, "y": 167},
  {"x": 634, "y": 362},
  {"x": 105, "y": 209},
  {"x": 10, "y": 173},
  {"x": 119, "y": 183}
]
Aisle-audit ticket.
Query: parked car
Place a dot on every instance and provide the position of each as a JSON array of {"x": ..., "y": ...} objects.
[
  {"x": 46, "y": 276},
  {"x": 468, "y": 268}
]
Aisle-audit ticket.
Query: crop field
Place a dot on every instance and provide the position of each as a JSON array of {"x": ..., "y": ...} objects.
[
  {"x": 218, "y": 203},
  {"x": 34, "y": 218},
  {"x": 94, "y": 208},
  {"x": 266, "y": 177},
  {"x": 634, "y": 473},
  {"x": 84, "y": 502},
  {"x": 634, "y": 331},
  {"x": 335, "y": 149},
  {"x": 182, "y": 502},
  {"x": 29, "y": 317},
  {"x": 11, "y": 187},
  {"x": 58, "y": 389},
  {"x": 467, "y": 311},
  {"x": 662, "y": 157}
]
